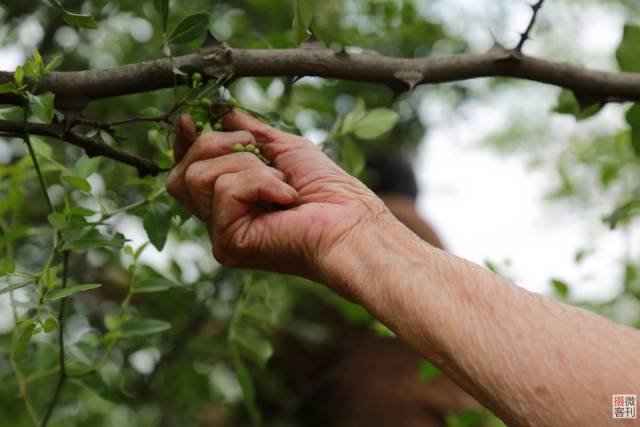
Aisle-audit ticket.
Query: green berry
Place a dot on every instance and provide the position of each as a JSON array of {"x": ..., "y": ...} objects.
[
  {"x": 256, "y": 151},
  {"x": 196, "y": 77},
  {"x": 238, "y": 148},
  {"x": 250, "y": 147}
]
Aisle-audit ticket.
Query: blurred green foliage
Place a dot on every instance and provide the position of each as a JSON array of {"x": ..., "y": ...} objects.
[{"x": 179, "y": 340}]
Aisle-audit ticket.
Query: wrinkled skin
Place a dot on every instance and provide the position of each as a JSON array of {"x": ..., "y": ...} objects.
[{"x": 284, "y": 218}]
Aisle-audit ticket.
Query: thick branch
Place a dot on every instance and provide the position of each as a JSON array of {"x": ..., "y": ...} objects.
[
  {"x": 80, "y": 87},
  {"x": 92, "y": 146}
]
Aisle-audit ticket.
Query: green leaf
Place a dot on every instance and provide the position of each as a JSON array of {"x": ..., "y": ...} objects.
[
  {"x": 80, "y": 211},
  {"x": 94, "y": 239},
  {"x": 57, "y": 220},
  {"x": 190, "y": 28},
  {"x": 50, "y": 325},
  {"x": 69, "y": 290},
  {"x": 633, "y": 118},
  {"x": 75, "y": 19},
  {"x": 78, "y": 183},
  {"x": 246, "y": 385},
  {"x": 353, "y": 117},
  {"x": 8, "y": 87},
  {"x": 153, "y": 284},
  {"x": 24, "y": 338},
  {"x": 13, "y": 286},
  {"x": 560, "y": 289},
  {"x": 53, "y": 64},
  {"x": 7, "y": 266},
  {"x": 427, "y": 371},
  {"x": 375, "y": 123},
  {"x": 85, "y": 166},
  {"x": 353, "y": 157},
  {"x": 628, "y": 52},
  {"x": 157, "y": 222},
  {"x": 162, "y": 7},
  {"x": 18, "y": 75},
  {"x": 303, "y": 15},
  {"x": 568, "y": 104},
  {"x": 255, "y": 346},
  {"x": 140, "y": 327},
  {"x": 41, "y": 148},
  {"x": 41, "y": 106}
]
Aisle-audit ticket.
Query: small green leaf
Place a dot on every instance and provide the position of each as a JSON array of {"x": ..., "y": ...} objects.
[
  {"x": 633, "y": 118},
  {"x": 85, "y": 166},
  {"x": 157, "y": 222},
  {"x": 560, "y": 289},
  {"x": 75, "y": 19},
  {"x": 353, "y": 157},
  {"x": 69, "y": 290},
  {"x": 94, "y": 239},
  {"x": 41, "y": 106},
  {"x": 78, "y": 183},
  {"x": 8, "y": 87},
  {"x": 162, "y": 7},
  {"x": 7, "y": 266},
  {"x": 50, "y": 325},
  {"x": 140, "y": 327},
  {"x": 50, "y": 278},
  {"x": 190, "y": 28},
  {"x": 427, "y": 371},
  {"x": 53, "y": 64},
  {"x": 57, "y": 220},
  {"x": 246, "y": 385},
  {"x": 375, "y": 123},
  {"x": 18, "y": 75},
  {"x": 628, "y": 52},
  {"x": 152, "y": 284},
  {"x": 353, "y": 117},
  {"x": 24, "y": 338},
  {"x": 303, "y": 15},
  {"x": 255, "y": 346},
  {"x": 13, "y": 286},
  {"x": 80, "y": 211},
  {"x": 41, "y": 148}
]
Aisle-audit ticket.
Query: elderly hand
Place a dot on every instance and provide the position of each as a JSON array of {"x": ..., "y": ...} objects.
[{"x": 286, "y": 218}]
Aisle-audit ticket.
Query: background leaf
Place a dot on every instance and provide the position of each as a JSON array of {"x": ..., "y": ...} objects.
[
  {"x": 190, "y": 28},
  {"x": 157, "y": 223},
  {"x": 75, "y": 19}
]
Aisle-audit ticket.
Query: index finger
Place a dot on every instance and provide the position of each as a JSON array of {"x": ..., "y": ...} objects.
[
  {"x": 261, "y": 131},
  {"x": 185, "y": 136}
]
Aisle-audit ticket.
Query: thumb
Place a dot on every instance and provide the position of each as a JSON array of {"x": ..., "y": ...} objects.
[{"x": 185, "y": 136}]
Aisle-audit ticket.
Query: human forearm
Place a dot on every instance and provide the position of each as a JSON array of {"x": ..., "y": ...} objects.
[{"x": 533, "y": 361}]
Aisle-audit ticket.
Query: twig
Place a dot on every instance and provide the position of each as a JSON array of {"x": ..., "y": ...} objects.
[
  {"x": 63, "y": 371},
  {"x": 527, "y": 33},
  {"x": 91, "y": 145},
  {"x": 34, "y": 159}
]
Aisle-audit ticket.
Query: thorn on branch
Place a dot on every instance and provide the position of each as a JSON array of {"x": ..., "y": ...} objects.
[{"x": 526, "y": 35}]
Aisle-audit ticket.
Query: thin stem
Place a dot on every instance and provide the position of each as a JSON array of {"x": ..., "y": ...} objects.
[
  {"x": 34, "y": 159},
  {"x": 63, "y": 371}
]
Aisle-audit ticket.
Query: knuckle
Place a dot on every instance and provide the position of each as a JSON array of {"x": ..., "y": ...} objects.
[
  {"x": 193, "y": 177},
  {"x": 222, "y": 254}
]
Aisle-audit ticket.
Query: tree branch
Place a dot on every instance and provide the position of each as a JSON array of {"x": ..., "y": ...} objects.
[
  {"x": 92, "y": 146},
  {"x": 527, "y": 33},
  {"x": 76, "y": 88}
]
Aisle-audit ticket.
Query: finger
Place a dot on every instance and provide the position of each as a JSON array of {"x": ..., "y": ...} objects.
[
  {"x": 185, "y": 136},
  {"x": 201, "y": 176},
  {"x": 236, "y": 195},
  {"x": 234, "y": 121},
  {"x": 271, "y": 141},
  {"x": 208, "y": 145}
]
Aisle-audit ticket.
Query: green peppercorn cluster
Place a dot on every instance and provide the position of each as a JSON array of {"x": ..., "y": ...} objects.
[{"x": 250, "y": 148}]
